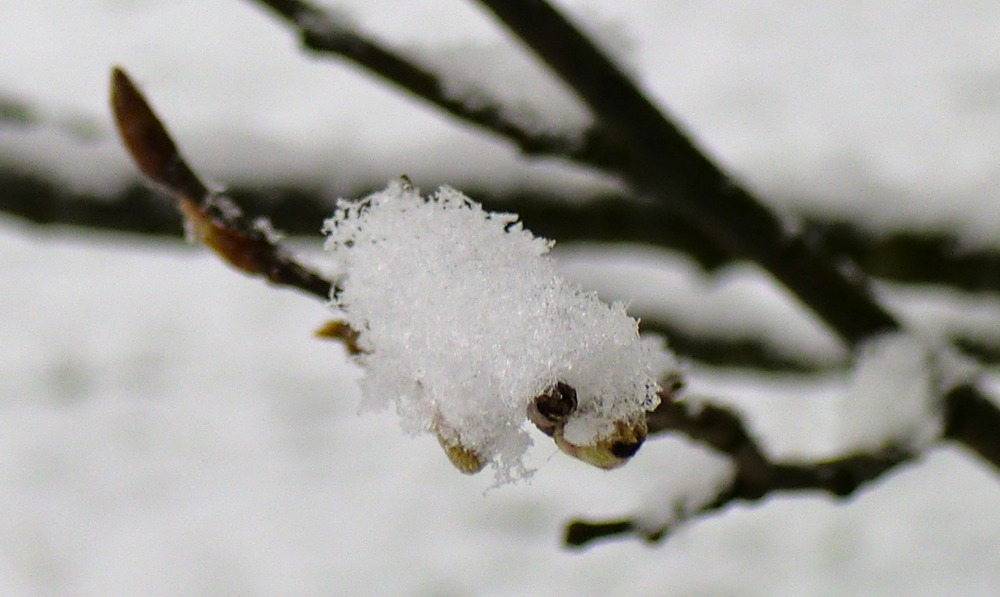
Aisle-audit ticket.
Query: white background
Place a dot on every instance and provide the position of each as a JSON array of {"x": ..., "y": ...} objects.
[{"x": 168, "y": 427}]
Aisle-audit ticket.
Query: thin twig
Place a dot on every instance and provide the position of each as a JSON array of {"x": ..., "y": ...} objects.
[
  {"x": 246, "y": 245},
  {"x": 323, "y": 33},
  {"x": 839, "y": 478},
  {"x": 968, "y": 419}
]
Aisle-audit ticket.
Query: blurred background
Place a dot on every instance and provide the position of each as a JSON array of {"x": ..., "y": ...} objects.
[{"x": 169, "y": 427}]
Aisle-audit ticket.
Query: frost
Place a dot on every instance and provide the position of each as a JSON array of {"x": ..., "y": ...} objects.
[
  {"x": 463, "y": 322},
  {"x": 895, "y": 392}
]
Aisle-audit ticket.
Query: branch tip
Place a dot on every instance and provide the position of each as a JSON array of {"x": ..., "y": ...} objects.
[{"x": 148, "y": 142}]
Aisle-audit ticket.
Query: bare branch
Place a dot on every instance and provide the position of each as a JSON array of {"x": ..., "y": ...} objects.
[
  {"x": 897, "y": 256},
  {"x": 973, "y": 420},
  {"x": 296, "y": 211},
  {"x": 215, "y": 221}
]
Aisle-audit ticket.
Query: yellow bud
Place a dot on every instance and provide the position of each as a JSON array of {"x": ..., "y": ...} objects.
[
  {"x": 611, "y": 451},
  {"x": 464, "y": 458}
]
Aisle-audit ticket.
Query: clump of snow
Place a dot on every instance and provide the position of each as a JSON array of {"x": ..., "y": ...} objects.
[
  {"x": 895, "y": 392},
  {"x": 464, "y": 321}
]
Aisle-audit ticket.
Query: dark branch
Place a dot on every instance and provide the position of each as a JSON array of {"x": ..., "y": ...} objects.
[
  {"x": 912, "y": 258},
  {"x": 895, "y": 256},
  {"x": 612, "y": 219},
  {"x": 323, "y": 33},
  {"x": 839, "y": 478},
  {"x": 974, "y": 421},
  {"x": 899, "y": 256},
  {"x": 660, "y": 161},
  {"x": 968, "y": 419},
  {"x": 757, "y": 476}
]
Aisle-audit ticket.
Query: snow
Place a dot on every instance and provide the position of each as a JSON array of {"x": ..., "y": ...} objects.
[
  {"x": 171, "y": 428},
  {"x": 893, "y": 397},
  {"x": 463, "y": 322},
  {"x": 692, "y": 477},
  {"x": 479, "y": 74}
]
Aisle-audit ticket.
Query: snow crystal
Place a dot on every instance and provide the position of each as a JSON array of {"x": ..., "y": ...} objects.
[
  {"x": 463, "y": 322},
  {"x": 895, "y": 392}
]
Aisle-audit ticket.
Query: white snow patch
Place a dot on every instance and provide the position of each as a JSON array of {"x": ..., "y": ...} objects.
[
  {"x": 465, "y": 321},
  {"x": 894, "y": 394},
  {"x": 479, "y": 73},
  {"x": 692, "y": 477}
]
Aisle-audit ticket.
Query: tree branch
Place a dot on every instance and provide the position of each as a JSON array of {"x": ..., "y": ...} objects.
[
  {"x": 968, "y": 419},
  {"x": 248, "y": 246},
  {"x": 840, "y": 478},
  {"x": 660, "y": 161},
  {"x": 323, "y": 33},
  {"x": 756, "y": 475},
  {"x": 895, "y": 256},
  {"x": 612, "y": 219}
]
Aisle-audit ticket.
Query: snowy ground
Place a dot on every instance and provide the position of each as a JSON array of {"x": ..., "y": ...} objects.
[{"x": 171, "y": 428}]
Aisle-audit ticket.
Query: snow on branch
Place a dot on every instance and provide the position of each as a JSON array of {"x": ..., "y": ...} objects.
[
  {"x": 904, "y": 394},
  {"x": 659, "y": 160},
  {"x": 323, "y": 31},
  {"x": 466, "y": 329},
  {"x": 895, "y": 394},
  {"x": 455, "y": 312},
  {"x": 751, "y": 475}
]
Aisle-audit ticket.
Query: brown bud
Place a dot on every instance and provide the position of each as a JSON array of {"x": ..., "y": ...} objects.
[
  {"x": 336, "y": 329},
  {"x": 552, "y": 407}
]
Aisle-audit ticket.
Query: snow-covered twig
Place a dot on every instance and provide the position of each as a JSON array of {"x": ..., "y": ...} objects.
[
  {"x": 968, "y": 419},
  {"x": 756, "y": 475},
  {"x": 840, "y": 478},
  {"x": 247, "y": 245},
  {"x": 893, "y": 412},
  {"x": 662, "y": 162},
  {"x": 323, "y": 32},
  {"x": 466, "y": 328}
]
